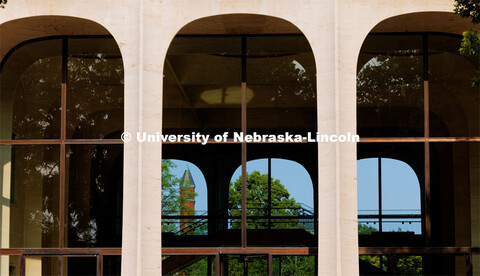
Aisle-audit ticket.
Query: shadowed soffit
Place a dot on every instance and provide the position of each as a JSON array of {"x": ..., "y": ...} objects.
[{"x": 240, "y": 24}]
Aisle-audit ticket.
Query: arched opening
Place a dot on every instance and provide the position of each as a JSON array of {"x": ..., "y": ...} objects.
[
  {"x": 388, "y": 196},
  {"x": 184, "y": 193},
  {"x": 288, "y": 194},
  {"x": 61, "y": 115},
  {"x": 415, "y": 103},
  {"x": 232, "y": 74}
]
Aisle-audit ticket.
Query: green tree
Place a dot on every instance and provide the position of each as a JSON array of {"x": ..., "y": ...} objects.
[
  {"x": 471, "y": 38},
  {"x": 172, "y": 201},
  {"x": 257, "y": 198},
  {"x": 170, "y": 195},
  {"x": 257, "y": 203}
]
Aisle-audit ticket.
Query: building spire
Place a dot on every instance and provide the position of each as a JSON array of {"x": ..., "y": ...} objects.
[{"x": 187, "y": 205}]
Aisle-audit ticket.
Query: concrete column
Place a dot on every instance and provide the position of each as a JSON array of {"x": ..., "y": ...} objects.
[{"x": 130, "y": 42}]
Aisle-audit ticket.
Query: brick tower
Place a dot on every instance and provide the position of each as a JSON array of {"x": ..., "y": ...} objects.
[{"x": 187, "y": 204}]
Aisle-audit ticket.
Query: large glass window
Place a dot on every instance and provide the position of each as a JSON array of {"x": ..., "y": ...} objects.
[
  {"x": 61, "y": 117},
  {"x": 251, "y": 83},
  {"x": 416, "y": 104}
]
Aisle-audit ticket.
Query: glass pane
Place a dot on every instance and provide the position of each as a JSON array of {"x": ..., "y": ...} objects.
[
  {"x": 84, "y": 266},
  {"x": 217, "y": 162},
  {"x": 291, "y": 199},
  {"x": 281, "y": 93},
  {"x": 246, "y": 265},
  {"x": 30, "y": 191},
  {"x": 94, "y": 193},
  {"x": 94, "y": 89},
  {"x": 257, "y": 211},
  {"x": 390, "y": 87},
  {"x": 391, "y": 265},
  {"x": 30, "y": 88},
  {"x": 10, "y": 265},
  {"x": 112, "y": 265},
  {"x": 455, "y": 186},
  {"x": 41, "y": 266},
  {"x": 291, "y": 210},
  {"x": 367, "y": 186},
  {"x": 294, "y": 265},
  {"x": 188, "y": 265},
  {"x": 201, "y": 90},
  {"x": 454, "y": 103},
  {"x": 184, "y": 194},
  {"x": 398, "y": 178},
  {"x": 403, "y": 174}
]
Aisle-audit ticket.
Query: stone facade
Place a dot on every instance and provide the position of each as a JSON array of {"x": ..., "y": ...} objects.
[{"x": 144, "y": 29}]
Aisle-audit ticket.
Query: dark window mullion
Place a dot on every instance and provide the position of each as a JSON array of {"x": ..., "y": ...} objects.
[
  {"x": 244, "y": 145},
  {"x": 380, "y": 221},
  {"x": 426, "y": 111},
  {"x": 61, "y": 229}
]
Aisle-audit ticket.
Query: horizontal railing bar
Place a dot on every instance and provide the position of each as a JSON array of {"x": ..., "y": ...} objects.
[
  {"x": 290, "y": 217},
  {"x": 238, "y": 217},
  {"x": 418, "y": 250},
  {"x": 390, "y": 216},
  {"x": 239, "y": 250},
  {"x": 313, "y": 250},
  {"x": 418, "y": 139}
]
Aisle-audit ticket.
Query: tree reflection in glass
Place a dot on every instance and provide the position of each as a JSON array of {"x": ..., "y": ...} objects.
[
  {"x": 390, "y": 87},
  {"x": 95, "y": 88},
  {"x": 30, "y": 89}
]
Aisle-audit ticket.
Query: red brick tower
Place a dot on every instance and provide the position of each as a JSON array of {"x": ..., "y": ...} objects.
[{"x": 187, "y": 204}]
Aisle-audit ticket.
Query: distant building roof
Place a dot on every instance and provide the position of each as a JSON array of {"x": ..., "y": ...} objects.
[{"x": 187, "y": 179}]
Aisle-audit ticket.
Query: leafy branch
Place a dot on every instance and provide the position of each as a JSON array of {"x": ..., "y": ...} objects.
[{"x": 471, "y": 38}]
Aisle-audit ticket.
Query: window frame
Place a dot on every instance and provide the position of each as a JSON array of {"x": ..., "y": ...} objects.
[
  {"x": 62, "y": 250},
  {"x": 244, "y": 248}
]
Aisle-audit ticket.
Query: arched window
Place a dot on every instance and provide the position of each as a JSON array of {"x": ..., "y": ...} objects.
[
  {"x": 61, "y": 102},
  {"x": 184, "y": 194},
  {"x": 416, "y": 106},
  {"x": 224, "y": 77},
  {"x": 288, "y": 195},
  {"x": 388, "y": 196}
]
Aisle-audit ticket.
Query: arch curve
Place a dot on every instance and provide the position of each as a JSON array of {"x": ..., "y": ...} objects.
[{"x": 43, "y": 26}]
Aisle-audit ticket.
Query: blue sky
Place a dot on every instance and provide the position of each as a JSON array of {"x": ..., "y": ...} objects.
[
  {"x": 291, "y": 174},
  {"x": 401, "y": 190}
]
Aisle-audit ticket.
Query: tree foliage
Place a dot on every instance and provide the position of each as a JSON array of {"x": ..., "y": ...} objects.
[
  {"x": 468, "y": 9},
  {"x": 390, "y": 78},
  {"x": 257, "y": 205},
  {"x": 471, "y": 38},
  {"x": 171, "y": 200},
  {"x": 257, "y": 202}
]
